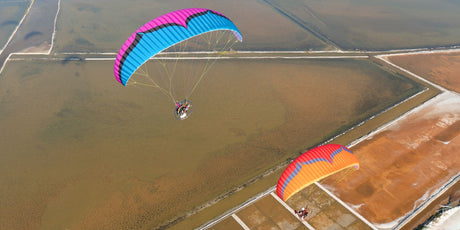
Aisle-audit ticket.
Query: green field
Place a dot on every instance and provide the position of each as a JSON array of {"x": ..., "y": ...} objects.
[
  {"x": 11, "y": 13},
  {"x": 377, "y": 25},
  {"x": 84, "y": 152}
]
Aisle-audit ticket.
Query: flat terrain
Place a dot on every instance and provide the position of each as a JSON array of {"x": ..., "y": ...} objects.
[
  {"x": 83, "y": 152},
  {"x": 11, "y": 13},
  {"x": 268, "y": 213},
  {"x": 441, "y": 68},
  {"x": 86, "y": 26},
  {"x": 326, "y": 213},
  {"x": 375, "y": 24},
  {"x": 116, "y": 156},
  {"x": 402, "y": 165},
  {"x": 35, "y": 35}
]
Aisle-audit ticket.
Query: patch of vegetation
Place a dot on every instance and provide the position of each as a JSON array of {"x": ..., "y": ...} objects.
[
  {"x": 9, "y": 23},
  {"x": 88, "y": 7},
  {"x": 83, "y": 42},
  {"x": 373, "y": 24},
  {"x": 32, "y": 34},
  {"x": 3, "y": 101},
  {"x": 30, "y": 71},
  {"x": 72, "y": 121},
  {"x": 70, "y": 58},
  {"x": 80, "y": 44}
]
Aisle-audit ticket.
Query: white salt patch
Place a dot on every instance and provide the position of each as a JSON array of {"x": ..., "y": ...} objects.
[{"x": 449, "y": 220}]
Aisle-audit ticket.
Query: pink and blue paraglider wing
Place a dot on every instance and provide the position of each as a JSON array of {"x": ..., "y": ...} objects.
[{"x": 165, "y": 31}]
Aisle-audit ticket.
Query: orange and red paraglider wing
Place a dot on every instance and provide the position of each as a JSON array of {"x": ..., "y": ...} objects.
[{"x": 312, "y": 166}]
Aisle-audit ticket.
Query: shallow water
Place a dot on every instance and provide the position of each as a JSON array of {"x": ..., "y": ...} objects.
[
  {"x": 36, "y": 29},
  {"x": 11, "y": 12},
  {"x": 82, "y": 151},
  {"x": 379, "y": 25},
  {"x": 96, "y": 26}
]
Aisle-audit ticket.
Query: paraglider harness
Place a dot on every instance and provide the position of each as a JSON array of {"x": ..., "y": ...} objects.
[
  {"x": 183, "y": 109},
  {"x": 304, "y": 213}
]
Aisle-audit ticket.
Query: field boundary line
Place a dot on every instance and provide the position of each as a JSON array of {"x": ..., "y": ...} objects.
[
  {"x": 382, "y": 53},
  {"x": 237, "y": 219},
  {"x": 304, "y": 222},
  {"x": 54, "y": 29},
  {"x": 4, "y": 63},
  {"x": 237, "y": 208},
  {"x": 17, "y": 27},
  {"x": 381, "y": 57},
  {"x": 427, "y": 202},
  {"x": 12, "y": 35},
  {"x": 346, "y": 206},
  {"x": 54, "y": 58},
  {"x": 367, "y": 54},
  {"x": 421, "y": 51},
  {"x": 384, "y": 126}
]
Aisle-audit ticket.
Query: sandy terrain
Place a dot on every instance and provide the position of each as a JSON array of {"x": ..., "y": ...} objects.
[
  {"x": 43, "y": 48},
  {"x": 452, "y": 194},
  {"x": 440, "y": 68},
  {"x": 268, "y": 213},
  {"x": 404, "y": 164},
  {"x": 157, "y": 172},
  {"x": 376, "y": 25}
]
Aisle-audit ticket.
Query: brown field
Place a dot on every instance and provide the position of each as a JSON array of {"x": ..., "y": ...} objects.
[
  {"x": 37, "y": 28},
  {"x": 83, "y": 152},
  {"x": 326, "y": 213},
  {"x": 96, "y": 26},
  {"x": 376, "y": 25},
  {"x": 440, "y": 68},
  {"x": 11, "y": 12},
  {"x": 267, "y": 213},
  {"x": 227, "y": 224},
  {"x": 451, "y": 195},
  {"x": 35, "y": 33},
  {"x": 402, "y": 165}
]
